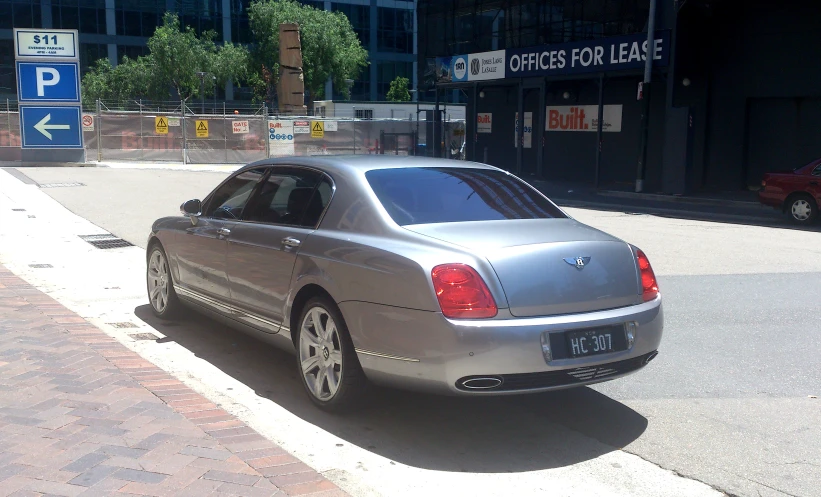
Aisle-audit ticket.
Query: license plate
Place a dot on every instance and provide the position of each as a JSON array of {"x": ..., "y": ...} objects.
[{"x": 593, "y": 342}]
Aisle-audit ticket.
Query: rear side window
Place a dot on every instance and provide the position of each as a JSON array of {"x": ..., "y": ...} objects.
[{"x": 452, "y": 195}]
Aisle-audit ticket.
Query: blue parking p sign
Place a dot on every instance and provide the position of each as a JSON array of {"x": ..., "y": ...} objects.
[
  {"x": 51, "y": 127},
  {"x": 48, "y": 82}
]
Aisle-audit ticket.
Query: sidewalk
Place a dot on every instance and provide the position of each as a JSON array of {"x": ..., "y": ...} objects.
[
  {"x": 740, "y": 206},
  {"x": 81, "y": 415}
]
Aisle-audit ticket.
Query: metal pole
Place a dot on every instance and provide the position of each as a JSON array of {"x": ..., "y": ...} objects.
[
  {"x": 437, "y": 131},
  {"x": 8, "y": 119},
  {"x": 142, "y": 142},
  {"x": 265, "y": 128},
  {"x": 225, "y": 132},
  {"x": 202, "y": 94},
  {"x": 645, "y": 101},
  {"x": 520, "y": 128},
  {"x": 354, "y": 130},
  {"x": 475, "y": 115},
  {"x": 184, "y": 137},
  {"x": 541, "y": 127},
  {"x": 599, "y": 130},
  {"x": 99, "y": 131}
]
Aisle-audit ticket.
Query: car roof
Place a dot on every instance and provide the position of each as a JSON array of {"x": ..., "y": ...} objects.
[{"x": 364, "y": 163}]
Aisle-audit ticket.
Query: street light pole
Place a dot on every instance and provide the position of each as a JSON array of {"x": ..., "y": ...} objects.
[{"x": 201, "y": 75}]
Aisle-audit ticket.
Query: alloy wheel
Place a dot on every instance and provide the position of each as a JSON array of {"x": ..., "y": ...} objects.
[
  {"x": 159, "y": 281},
  {"x": 320, "y": 353}
]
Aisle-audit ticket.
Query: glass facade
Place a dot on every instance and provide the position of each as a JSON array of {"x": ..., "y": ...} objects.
[
  {"x": 394, "y": 30},
  {"x": 20, "y": 14},
  {"x": 87, "y": 16},
  {"x": 388, "y": 71},
  {"x": 386, "y": 31},
  {"x": 450, "y": 27}
]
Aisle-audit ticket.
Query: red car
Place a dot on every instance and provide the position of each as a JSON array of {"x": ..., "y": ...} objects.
[{"x": 796, "y": 192}]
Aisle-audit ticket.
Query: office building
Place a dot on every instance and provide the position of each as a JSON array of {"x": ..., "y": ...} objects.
[{"x": 114, "y": 28}]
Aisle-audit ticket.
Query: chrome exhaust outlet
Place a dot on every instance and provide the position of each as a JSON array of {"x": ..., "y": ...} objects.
[
  {"x": 651, "y": 357},
  {"x": 483, "y": 383}
]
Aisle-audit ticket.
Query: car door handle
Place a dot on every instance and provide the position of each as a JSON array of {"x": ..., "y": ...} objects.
[
  {"x": 291, "y": 242},
  {"x": 223, "y": 232},
  {"x": 814, "y": 183}
]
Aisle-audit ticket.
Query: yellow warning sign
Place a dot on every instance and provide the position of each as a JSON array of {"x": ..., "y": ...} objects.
[
  {"x": 161, "y": 125},
  {"x": 317, "y": 129},
  {"x": 202, "y": 129}
]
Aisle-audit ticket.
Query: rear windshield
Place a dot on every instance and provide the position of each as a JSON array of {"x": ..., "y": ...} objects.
[{"x": 451, "y": 195}]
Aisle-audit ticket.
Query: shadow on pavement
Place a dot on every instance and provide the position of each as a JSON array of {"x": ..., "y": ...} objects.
[{"x": 491, "y": 434}]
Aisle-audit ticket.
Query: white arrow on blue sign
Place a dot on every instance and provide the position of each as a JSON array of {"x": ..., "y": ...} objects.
[
  {"x": 51, "y": 127},
  {"x": 48, "y": 82}
]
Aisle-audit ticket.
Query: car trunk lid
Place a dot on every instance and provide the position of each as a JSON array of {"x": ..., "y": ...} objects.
[{"x": 549, "y": 266}]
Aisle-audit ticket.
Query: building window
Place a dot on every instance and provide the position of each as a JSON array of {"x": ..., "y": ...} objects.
[
  {"x": 8, "y": 84},
  {"x": 360, "y": 18},
  {"x": 394, "y": 30},
  {"x": 132, "y": 52},
  {"x": 387, "y": 72},
  {"x": 20, "y": 14},
  {"x": 90, "y": 53},
  {"x": 364, "y": 114},
  {"x": 317, "y": 4},
  {"x": 240, "y": 25}
]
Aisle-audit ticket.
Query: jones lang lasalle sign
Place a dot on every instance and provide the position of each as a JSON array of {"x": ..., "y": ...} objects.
[{"x": 603, "y": 55}]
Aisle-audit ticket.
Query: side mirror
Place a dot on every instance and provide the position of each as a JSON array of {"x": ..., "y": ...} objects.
[{"x": 191, "y": 208}]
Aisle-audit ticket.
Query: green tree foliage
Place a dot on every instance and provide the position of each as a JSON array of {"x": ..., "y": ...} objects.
[
  {"x": 398, "y": 91},
  {"x": 175, "y": 57},
  {"x": 330, "y": 46},
  {"x": 130, "y": 79}
]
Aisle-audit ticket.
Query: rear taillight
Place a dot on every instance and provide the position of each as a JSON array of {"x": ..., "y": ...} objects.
[
  {"x": 649, "y": 285},
  {"x": 461, "y": 292}
]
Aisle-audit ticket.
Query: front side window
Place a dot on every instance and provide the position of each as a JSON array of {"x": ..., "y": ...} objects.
[
  {"x": 817, "y": 170},
  {"x": 229, "y": 201},
  {"x": 293, "y": 197},
  {"x": 452, "y": 195}
]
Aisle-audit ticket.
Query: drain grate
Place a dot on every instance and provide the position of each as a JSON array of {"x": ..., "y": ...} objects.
[
  {"x": 124, "y": 324},
  {"x": 59, "y": 185},
  {"x": 106, "y": 236},
  {"x": 108, "y": 241},
  {"x": 110, "y": 244},
  {"x": 40, "y": 266},
  {"x": 144, "y": 336}
]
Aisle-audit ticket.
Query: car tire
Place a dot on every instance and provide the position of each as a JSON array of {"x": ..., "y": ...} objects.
[
  {"x": 326, "y": 360},
  {"x": 160, "y": 286},
  {"x": 802, "y": 208}
]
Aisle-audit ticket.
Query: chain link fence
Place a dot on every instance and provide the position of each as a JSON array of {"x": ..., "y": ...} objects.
[{"x": 162, "y": 132}]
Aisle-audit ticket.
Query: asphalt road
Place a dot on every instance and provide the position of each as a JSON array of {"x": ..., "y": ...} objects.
[{"x": 730, "y": 400}]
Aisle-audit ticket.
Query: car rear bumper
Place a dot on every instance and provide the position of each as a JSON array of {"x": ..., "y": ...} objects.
[
  {"x": 426, "y": 351},
  {"x": 772, "y": 199}
]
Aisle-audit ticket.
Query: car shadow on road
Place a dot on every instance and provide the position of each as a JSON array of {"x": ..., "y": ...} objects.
[{"x": 477, "y": 435}]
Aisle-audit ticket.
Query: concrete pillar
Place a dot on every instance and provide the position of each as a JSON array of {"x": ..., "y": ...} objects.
[
  {"x": 495, "y": 30},
  {"x": 45, "y": 14},
  {"x": 111, "y": 30},
  {"x": 226, "y": 36},
  {"x": 374, "y": 13},
  {"x": 329, "y": 85},
  {"x": 415, "y": 49}
]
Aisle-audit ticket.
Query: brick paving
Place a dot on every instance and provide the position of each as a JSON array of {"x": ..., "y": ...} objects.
[{"x": 82, "y": 415}]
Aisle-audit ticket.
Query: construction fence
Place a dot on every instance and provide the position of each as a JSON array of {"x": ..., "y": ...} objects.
[{"x": 176, "y": 135}]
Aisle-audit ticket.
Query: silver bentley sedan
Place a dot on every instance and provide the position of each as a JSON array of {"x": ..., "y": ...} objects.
[{"x": 445, "y": 276}]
